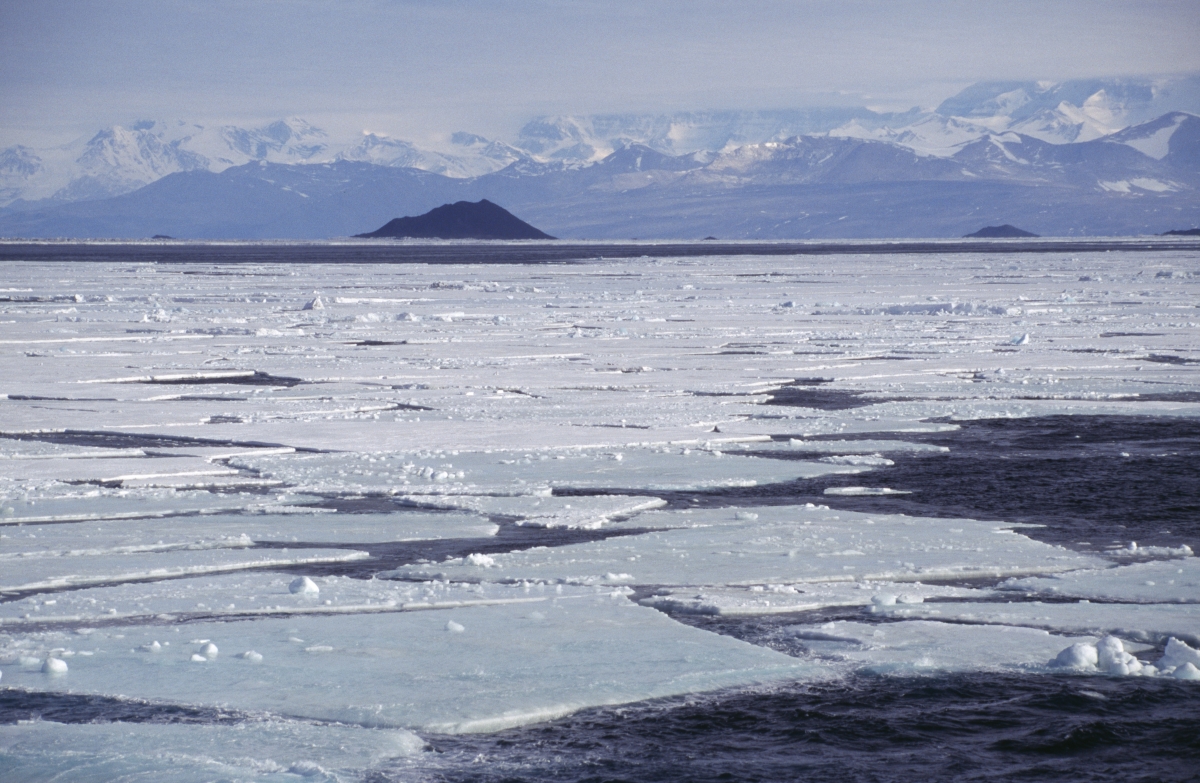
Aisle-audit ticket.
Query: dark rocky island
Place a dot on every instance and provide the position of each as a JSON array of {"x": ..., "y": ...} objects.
[
  {"x": 1000, "y": 232},
  {"x": 461, "y": 220},
  {"x": 1183, "y": 232}
]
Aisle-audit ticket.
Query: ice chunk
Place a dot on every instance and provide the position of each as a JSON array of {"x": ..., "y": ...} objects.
[
  {"x": 54, "y": 666},
  {"x": 1113, "y": 658},
  {"x": 1078, "y": 656},
  {"x": 1178, "y": 654},
  {"x": 1188, "y": 671},
  {"x": 870, "y": 460},
  {"x": 304, "y": 586},
  {"x": 482, "y": 561},
  {"x": 454, "y": 627}
]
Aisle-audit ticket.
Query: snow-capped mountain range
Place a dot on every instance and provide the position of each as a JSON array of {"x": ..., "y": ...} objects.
[{"x": 121, "y": 159}]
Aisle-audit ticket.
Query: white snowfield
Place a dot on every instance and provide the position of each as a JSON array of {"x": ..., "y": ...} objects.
[{"x": 511, "y": 451}]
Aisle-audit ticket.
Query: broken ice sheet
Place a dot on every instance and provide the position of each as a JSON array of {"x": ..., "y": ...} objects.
[
  {"x": 924, "y": 647},
  {"x": 1152, "y": 623},
  {"x": 511, "y": 664},
  {"x": 62, "y": 502},
  {"x": 234, "y": 595},
  {"x": 26, "y": 574},
  {"x": 1161, "y": 581},
  {"x": 782, "y": 598},
  {"x": 774, "y": 545},
  {"x": 523, "y": 472},
  {"x": 256, "y": 751},
  {"x": 240, "y": 530},
  {"x": 578, "y": 512}
]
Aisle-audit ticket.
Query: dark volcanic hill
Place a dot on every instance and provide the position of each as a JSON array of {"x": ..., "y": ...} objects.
[
  {"x": 1183, "y": 232},
  {"x": 461, "y": 220},
  {"x": 999, "y": 232}
]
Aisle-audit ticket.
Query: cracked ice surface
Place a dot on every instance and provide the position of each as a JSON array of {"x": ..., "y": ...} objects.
[
  {"x": 781, "y": 545},
  {"x": 167, "y": 429}
]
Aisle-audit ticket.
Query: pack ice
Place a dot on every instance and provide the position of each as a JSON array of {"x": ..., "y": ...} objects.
[{"x": 345, "y": 503}]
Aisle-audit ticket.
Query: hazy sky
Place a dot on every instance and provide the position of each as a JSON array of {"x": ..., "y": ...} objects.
[{"x": 418, "y": 67}]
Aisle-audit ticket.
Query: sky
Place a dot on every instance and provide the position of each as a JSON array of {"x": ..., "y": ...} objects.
[{"x": 418, "y": 69}]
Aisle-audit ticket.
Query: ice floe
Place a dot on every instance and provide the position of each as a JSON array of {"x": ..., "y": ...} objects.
[
  {"x": 1163, "y": 581},
  {"x": 920, "y": 646},
  {"x": 403, "y": 669},
  {"x": 256, "y": 751},
  {"x": 783, "y": 545},
  {"x": 1150, "y": 623}
]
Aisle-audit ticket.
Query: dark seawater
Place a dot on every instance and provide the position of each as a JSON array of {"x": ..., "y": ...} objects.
[
  {"x": 1090, "y": 482},
  {"x": 962, "y": 727}
]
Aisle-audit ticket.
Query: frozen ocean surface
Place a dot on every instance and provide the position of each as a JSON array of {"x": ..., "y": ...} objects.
[{"x": 717, "y": 517}]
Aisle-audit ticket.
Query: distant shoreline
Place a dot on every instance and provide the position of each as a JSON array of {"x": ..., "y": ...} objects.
[{"x": 527, "y": 252}]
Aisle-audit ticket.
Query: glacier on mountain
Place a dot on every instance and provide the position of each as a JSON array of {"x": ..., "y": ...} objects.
[{"x": 121, "y": 159}]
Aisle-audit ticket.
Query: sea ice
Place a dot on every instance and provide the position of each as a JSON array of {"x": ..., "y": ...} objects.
[
  {"x": 785, "y": 545},
  {"x": 403, "y": 670},
  {"x": 23, "y": 575},
  {"x": 1140, "y": 622},
  {"x": 784, "y": 598},
  {"x": 921, "y": 646},
  {"x": 1161, "y": 581},
  {"x": 255, "y": 751}
]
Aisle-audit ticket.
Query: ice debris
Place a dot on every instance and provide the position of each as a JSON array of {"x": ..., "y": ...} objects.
[
  {"x": 1110, "y": 657},
  {"x": 54, "y": 666},
  {"x": 302, "y": 585},
  {"x": 454, "y": 627}
]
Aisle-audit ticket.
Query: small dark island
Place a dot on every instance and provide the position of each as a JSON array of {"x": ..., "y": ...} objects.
[
  {"x": 460, "y": 220},
  {"x": 1182, "y": 232},
  {"x": 1000, "y": 232}
]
